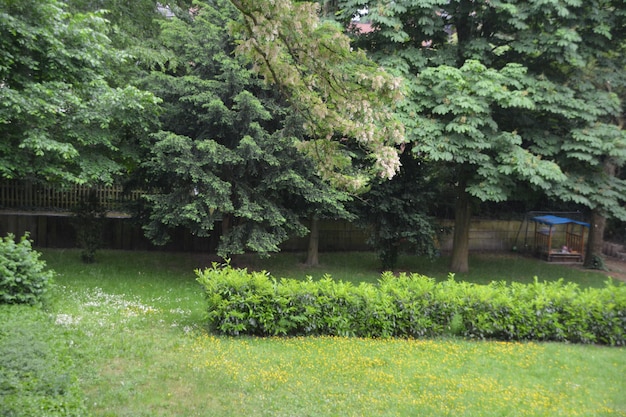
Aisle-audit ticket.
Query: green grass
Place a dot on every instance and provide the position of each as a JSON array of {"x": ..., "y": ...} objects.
[
  {"x": 133, "y": 325},
  {"x": 37, "y": 372},
  {"x": 484, "y": 268}
]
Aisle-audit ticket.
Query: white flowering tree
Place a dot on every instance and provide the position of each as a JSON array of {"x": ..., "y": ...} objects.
[
  {"x": 226, "y": 157},
  {"x": 342, "y": 95}
]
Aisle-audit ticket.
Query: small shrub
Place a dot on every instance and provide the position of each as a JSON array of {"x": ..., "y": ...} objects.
[
  {"x": 23, "y": 278},
  {"x": 596, "y": 262},
  {"x": 413, "y": 306},
  {"x": 239, "y": 303}
]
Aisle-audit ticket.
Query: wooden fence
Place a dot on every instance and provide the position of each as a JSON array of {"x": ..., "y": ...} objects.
[{"x": 24, "y": 195}]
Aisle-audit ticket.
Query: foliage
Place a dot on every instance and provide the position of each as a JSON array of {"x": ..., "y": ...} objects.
[
  {"x": 23, "y": 277},
  {"x": 37, "y": 377},
  {"x": 135, "y": 29},
  {"x": 508, "y": 93},
  {"x": 412, "y": 306},
  {"x": 88, "y": 221},
  {"x": 457, "y": 123},
  {"x": 227, "y": 153},
  {"x": 61, "y": 117},
  {"x": 340, "y": 93},
  {"x": 396, "y": 213},
  {"x": 130, "y": 22}
]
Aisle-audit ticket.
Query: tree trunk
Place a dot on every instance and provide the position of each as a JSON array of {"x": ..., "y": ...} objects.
[
  {"x": 225, "y": 224},
  {"x": 460, "y": 244},
  {"x": 463, "y": 27},
  {"x": 226, "y": 218},
  {"x": 329, "y": 8},
  {"x": 312, "y": 258},
  {"x": 595, "y": 241}
]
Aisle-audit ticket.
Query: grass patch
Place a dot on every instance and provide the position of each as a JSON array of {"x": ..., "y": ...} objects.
[
  {"x": 37, "y": 372},
  {"x": 135, "y": 322},
  {"x": 356, "y": 377},
  {"x": 365, "y": 267}
]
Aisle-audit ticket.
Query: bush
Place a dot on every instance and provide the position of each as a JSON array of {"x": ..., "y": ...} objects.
[
  {"x": 412, "y": 306},
  {"x": 23, "y": 278}
]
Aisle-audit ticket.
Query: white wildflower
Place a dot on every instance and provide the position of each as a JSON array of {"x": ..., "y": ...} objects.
[{"x": 66, "y": 320}]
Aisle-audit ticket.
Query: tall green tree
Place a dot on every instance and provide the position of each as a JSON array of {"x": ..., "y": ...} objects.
[
  {"x": 227, "y": 156},
  {"x": 61, "y": 119},
  {"x": 593, "y": 153},
  {"x": 496, "y": 94}
]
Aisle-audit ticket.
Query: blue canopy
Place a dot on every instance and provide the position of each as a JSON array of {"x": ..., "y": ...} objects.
[{"x": 554, "y": 220}]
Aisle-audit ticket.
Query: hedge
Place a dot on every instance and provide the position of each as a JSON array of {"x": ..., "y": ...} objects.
[{"x": 412, "y": 306}]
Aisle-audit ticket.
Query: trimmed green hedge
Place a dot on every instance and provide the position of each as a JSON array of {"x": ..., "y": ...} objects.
[{"x": 254, "y": 303}]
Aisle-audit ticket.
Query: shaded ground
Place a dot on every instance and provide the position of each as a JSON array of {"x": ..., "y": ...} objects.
[{"x": 616, "y": 268}]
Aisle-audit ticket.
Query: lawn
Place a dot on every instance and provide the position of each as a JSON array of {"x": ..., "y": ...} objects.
[
  {"x": 129, "y": 330},
  {"x": 485, "y": 267}
]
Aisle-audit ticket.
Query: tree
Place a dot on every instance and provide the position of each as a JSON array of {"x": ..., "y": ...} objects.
[
  {"x": 61, "y": 120},
  {"x": 457, "y": 125},
  {"x": 398, "y": 212},
  {"x": 227, "y": 153},
  {"x": 596, "y": 150},
  {"x": 135, "y": 28},
  {"x": 495, "y": 92},
  {"x": 341, "y": 94},
  {"x": 138, "y": 20}
]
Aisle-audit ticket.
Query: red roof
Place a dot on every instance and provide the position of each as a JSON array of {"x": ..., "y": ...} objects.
[{"x": 359, "y": 27}]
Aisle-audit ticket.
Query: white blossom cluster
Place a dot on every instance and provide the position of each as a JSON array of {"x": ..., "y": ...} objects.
[{"x": 338, "y": 90}]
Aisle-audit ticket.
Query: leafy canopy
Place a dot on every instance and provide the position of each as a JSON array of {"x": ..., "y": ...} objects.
[
  {"x": 546, "y": 80},
  {"x": 340, "y": 93},
  {"x": 227, "y": 153},
  {"x": 60, "y": 118},
  {"x": 507, "y": 94}
]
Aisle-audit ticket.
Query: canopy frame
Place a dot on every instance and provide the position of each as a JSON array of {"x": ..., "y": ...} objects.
[{"x": 573, "y": 247}]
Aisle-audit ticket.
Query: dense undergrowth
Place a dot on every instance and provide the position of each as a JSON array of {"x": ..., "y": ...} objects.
[{"x": 411, "y": 305}]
